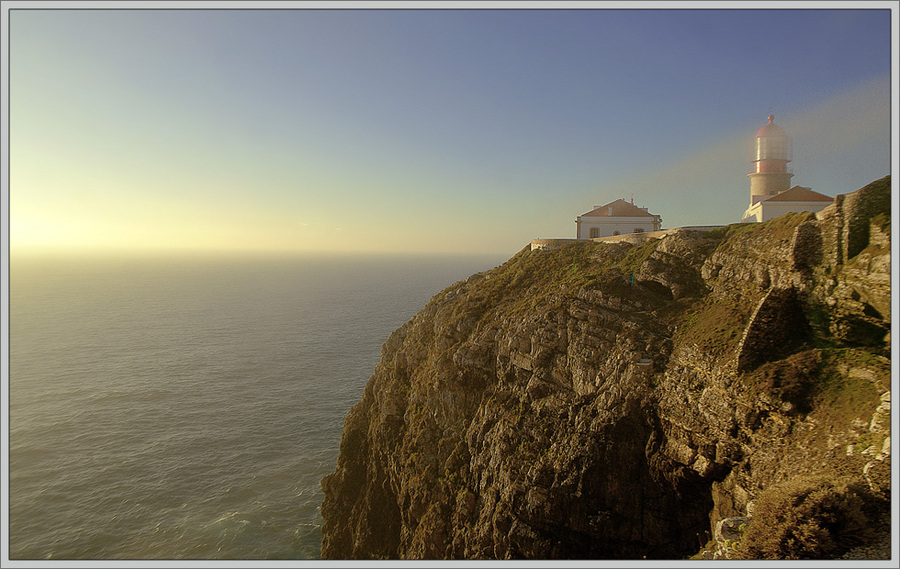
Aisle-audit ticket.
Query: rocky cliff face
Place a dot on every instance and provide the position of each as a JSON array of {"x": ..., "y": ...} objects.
[{"x": 618, "y": 401}]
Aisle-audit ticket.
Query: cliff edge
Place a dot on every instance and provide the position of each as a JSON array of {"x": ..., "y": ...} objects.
[{"x": 660, "y": 400}]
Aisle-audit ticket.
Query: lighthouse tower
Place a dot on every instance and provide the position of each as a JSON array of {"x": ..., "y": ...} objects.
[
  {"x": 769, "y": 174},
  {"x": 771, "y": 193}
]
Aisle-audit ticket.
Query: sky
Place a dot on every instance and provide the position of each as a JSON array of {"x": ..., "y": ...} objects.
[{"x": 422, "y": 130}]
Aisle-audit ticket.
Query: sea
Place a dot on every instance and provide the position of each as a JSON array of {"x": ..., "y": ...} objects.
[{"x": 177, "y": 407}]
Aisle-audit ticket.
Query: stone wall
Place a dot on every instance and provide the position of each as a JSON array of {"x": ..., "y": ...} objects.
[{"x": 633, "y": 238}]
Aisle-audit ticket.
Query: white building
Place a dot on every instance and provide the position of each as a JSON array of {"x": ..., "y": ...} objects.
[
  {"x": 797, "y": 198},
  {"x": 615, "y": 218},
  {"x": 770, "y": 178}
]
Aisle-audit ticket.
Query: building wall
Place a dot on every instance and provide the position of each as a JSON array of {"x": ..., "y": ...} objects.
[
  {"x": 774, "y": 209},
  {"x": 764, "y": 211},
  {"x": 609, "y": 225}
]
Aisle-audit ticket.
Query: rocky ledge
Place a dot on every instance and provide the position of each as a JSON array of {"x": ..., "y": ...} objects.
[{"x": 718, "y": 394}]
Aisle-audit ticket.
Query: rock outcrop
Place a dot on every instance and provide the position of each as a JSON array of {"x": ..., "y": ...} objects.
[{"x": 620, "y": 401}]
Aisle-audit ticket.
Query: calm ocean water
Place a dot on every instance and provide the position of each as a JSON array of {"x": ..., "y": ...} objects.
[{"x": 187, "y": 408}]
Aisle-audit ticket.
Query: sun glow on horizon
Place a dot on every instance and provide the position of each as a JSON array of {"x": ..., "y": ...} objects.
[{"x": 407, "y": 142}]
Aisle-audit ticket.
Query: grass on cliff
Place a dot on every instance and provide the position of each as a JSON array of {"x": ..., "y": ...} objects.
[
  {"x": 528, "y": 278},
  {"x": 812, "y": 379},
  {"x": 727, "y": 232},
  {"x": 848, "y": 397},
  {"x": 781, "y": 228},
  {"x": 713, "y": 326}
]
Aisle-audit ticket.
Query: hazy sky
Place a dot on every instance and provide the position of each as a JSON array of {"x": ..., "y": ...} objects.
[{"x": 423, "y": 130}]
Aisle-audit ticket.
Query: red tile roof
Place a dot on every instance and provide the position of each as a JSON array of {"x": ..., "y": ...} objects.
[
  {"x": 799, "y": 194},
  {"x": 618, "y": 208}
]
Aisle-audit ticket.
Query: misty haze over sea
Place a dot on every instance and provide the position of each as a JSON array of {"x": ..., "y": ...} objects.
[{"x": 187, "y": 407}]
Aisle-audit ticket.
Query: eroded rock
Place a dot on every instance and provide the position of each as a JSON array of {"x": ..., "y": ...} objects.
[{"x": 548, "y": 409}]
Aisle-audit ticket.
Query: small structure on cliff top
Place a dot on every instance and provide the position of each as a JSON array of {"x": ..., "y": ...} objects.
[
  {"x": 770, "y": 177},
  {"x": 615, "y": 218}
]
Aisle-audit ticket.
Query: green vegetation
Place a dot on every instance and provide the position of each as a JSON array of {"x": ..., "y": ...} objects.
[
  {"x": 842, "y": 396},
  {"x": 729, "y": 232},
  {"x": 530, "y": 277},
  {"x": 713, "y": 326},
  {"x": 811, "y": 379},
  {"x": 810, "y": 518},
  {"x": 782, "y": 227},
  {"x": 794, "y": 379},
  {"x": 636, "y": 256}
]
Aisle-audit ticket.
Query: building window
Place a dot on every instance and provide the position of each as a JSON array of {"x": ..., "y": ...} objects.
[
  {"x": 638, "y": 230},
  {"x": 595, "y": 232}
]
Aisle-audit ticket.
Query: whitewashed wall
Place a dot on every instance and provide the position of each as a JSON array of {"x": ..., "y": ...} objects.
[
  {"x": 764, "y": 211},
  {"x": 609, "y": 225}
]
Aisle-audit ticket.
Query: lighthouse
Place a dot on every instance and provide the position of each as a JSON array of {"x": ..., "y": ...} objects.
[
  {"x": 771, "y": 194},
  {"x": 769, "y": 173}
]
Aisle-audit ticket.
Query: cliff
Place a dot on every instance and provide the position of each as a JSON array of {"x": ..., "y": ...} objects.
[{"x": 622, "y": 401}]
